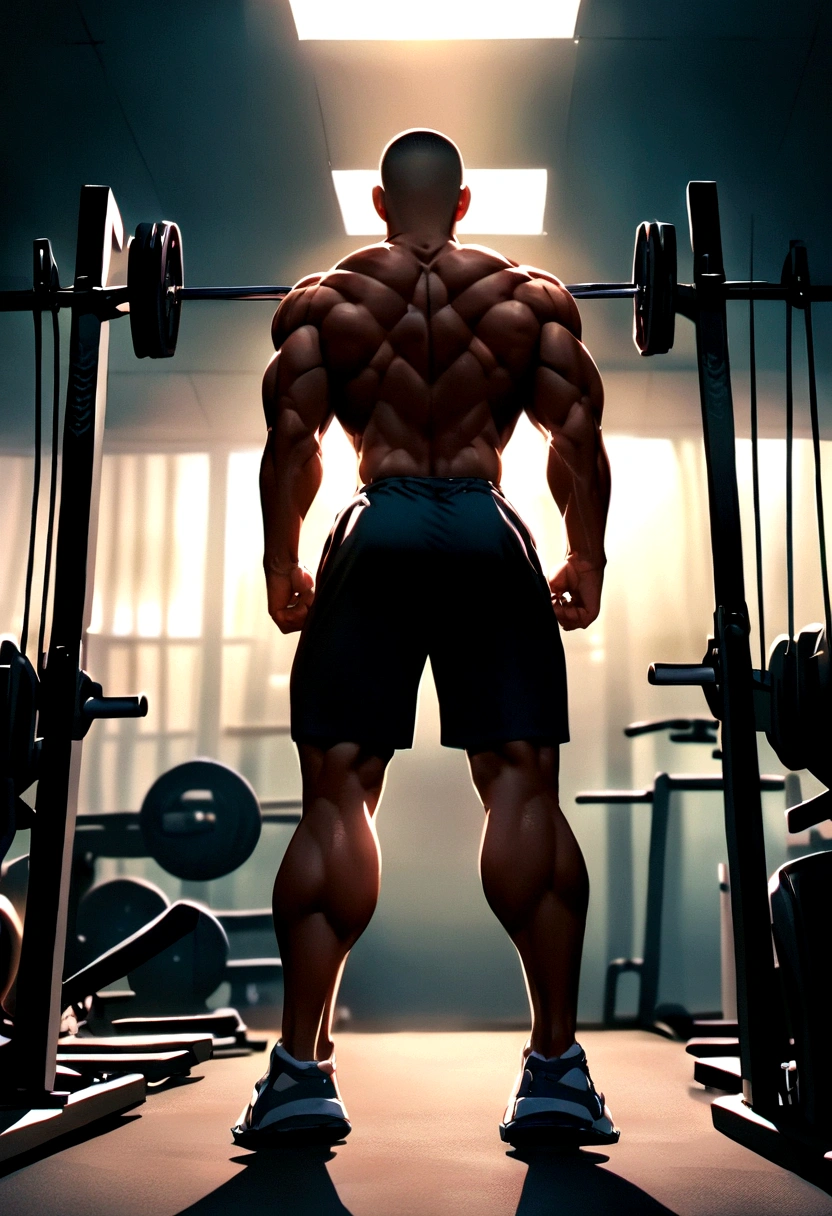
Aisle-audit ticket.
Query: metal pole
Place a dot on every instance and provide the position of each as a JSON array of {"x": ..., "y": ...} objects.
[
  {"x": 41, "y": 966},
  {"x": 649, "y": 989},
  {"x": 757, "y": 1000}
]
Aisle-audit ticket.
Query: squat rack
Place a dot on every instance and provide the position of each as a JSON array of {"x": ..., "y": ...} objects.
[{"x": 759, "y": 1117}]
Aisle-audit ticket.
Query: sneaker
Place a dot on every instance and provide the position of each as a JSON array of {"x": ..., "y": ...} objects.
[
  {"x": 554, "y": 1102},
  {"x": 295, "y": 1100}
]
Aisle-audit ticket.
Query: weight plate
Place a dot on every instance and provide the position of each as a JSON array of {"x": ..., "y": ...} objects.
[
  {"x": 200, "y": 820},
  {"x": 140, "y": 291},
  {"x": 641, "y": 279},
  {"x": 154, "y": 267},
  {"x": 666, "y": 300},
  {"x": 814, "y": 697},
  {"x": 181, "y": 978},
  {"x": 654, "y": 273},
  {"x": 114, "y": 910},
  {"x": 785, "y": 734},
  {"x": 18, "y": 706}
]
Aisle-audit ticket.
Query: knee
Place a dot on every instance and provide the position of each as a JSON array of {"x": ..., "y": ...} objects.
[
  {"x": 514, "y": 772},
  {"x": 344, "y": 773}
]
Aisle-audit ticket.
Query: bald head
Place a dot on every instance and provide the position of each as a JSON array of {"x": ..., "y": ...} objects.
[{"x": 421, "y": 177}]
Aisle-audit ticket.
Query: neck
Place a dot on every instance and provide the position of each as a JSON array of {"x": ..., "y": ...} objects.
[{"x": 425, "y": 243}]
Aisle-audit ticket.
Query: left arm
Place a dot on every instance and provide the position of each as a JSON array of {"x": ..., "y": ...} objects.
[
  {"x": 296, "y": 404},
  {"x": 567, "y": 403}
]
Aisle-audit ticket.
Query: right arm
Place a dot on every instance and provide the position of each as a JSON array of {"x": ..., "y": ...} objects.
[
  {"x": 296, "y": 404},
  {"x": 568, "y": 402}
]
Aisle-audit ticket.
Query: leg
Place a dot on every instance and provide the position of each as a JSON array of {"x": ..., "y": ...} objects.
[
  {"x": 535, "y": 881},
  {"x": 327, "y": 887}
]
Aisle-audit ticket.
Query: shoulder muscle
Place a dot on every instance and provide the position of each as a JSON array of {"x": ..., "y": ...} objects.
[
  {"x": 294, "y": 309},
  {"x": 548, "y": 299}
]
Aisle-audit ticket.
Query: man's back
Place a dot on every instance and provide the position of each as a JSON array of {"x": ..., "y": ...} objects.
[{"x": 429, "y": 357}]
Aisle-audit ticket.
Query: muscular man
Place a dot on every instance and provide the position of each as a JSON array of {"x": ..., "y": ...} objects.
[{"x": 427, "y": 352}]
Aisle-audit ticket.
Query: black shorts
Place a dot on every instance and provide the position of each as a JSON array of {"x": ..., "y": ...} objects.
[{"x": 440, "y": 567}]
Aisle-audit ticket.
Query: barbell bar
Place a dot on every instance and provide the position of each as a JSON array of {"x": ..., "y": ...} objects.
[
  {"x": 583, "y": 291},
  {"x": 26, "y": 300},
  {"x": 155, "y": 291}
]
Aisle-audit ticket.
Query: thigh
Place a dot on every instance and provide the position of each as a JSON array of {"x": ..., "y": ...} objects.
[
  {"x": 361, "y": 653},
  {"x": 496, "y": 650}
]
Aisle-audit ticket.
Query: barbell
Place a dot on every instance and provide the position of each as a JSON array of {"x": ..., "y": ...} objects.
[{"x": 155, "y": 291}]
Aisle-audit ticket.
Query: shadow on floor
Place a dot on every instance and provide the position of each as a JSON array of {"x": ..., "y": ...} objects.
[
  {"x": 571, "y": 1184},
  {"x": 107, "y": 1125},
  {"x": 297, "y": 1179},
  {"x": 294, "y": 1181}
]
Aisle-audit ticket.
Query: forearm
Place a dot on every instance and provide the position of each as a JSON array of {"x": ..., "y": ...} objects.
[
  {"x": 290, "y": 476},
  {"x": 579, "y": 479}
]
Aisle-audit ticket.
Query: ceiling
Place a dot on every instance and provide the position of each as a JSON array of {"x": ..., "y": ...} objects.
[{"x": 210, "y": 112}]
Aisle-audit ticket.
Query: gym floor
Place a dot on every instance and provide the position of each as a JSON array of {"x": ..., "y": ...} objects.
[{"x": 425, "y": 1108}]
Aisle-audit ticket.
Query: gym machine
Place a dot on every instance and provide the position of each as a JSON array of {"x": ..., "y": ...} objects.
[
  {"x": 785, "y": 1055},
  {"x": 671, "y": 1020},
  {"x": 199, "y": 821},
  {"x": 37, "y": 1100},
  {"x": 47, "y": 1090}
]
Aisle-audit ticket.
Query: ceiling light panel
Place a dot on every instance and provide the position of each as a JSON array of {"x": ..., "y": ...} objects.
[
  {"x": 503, "y": 201},
  {"x": 433, "y": 20}
]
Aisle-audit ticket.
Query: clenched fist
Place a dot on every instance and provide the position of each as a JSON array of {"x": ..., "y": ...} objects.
[
  {"x": 576, "y": 593},
  {"x": 290, "y": 592}
]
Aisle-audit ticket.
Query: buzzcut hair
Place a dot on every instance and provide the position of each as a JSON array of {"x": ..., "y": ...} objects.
[{"x": 421, "y": 175}]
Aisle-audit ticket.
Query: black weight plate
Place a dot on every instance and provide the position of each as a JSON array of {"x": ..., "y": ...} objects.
[
  {"x": 181, "y": 978},
  {"x": 785, "y": 734},
  {"x": 114, "y": 910},
  {"x": 800, "y": 920},
  {"x": 200, "y": 820},
  {"x": 140, "y": 280},
  {"x": 641, "y": 278},
  {"x": 172, "y": 274},
  {"x": 666, "y": 309},
  {"x": 154, "y": 267},
  {"x": 654, "y": 273},
  {"x": 814, "y": 697},
  {"x": 18, "y": 706}
]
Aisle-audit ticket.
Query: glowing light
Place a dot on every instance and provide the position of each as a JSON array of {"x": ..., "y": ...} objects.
[
  {"x": 190, "y": 531},
  {"x": 123, "y": 619},
  {"x": 524, "y": 483},
  {"x": 503, "y": 201},
  {"x": 433, "y": 20},
  {"x": 149, "y": 619},
  {"x": 97, "y": 615},
  {"x": 244, "y": 595},
  {"x": 279, "y": 680}
]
